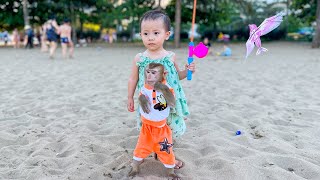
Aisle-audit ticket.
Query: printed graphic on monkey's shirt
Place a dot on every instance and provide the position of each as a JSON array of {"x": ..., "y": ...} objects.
[{"x": 162, "y": 103}]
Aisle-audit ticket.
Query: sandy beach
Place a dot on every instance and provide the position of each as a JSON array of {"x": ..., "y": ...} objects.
[{"x": 67, "y": 119}]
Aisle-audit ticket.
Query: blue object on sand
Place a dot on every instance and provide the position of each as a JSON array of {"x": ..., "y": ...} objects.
[
  {"x": 226, "y": 52},
  {"x": 238, "y": 133}
]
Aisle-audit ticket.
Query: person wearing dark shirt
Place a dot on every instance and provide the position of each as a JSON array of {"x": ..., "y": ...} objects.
[{"x": 29, "y": 36}]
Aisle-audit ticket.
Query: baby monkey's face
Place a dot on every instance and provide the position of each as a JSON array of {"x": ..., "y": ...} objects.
[{"x": 153, "y": 75}]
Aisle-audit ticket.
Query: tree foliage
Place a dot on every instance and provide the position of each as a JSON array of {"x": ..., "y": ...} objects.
[
  {"x": 41, "y": 10},
  {"x": 10, "y": 14},
  {"x": 210, "y": 14},
  {"x": 305, "y": 10}
]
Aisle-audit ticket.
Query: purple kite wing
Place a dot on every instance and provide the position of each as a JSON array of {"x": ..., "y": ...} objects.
[
  {"x": 271, "y": 23},
  {"x": 250, "y": 46}
]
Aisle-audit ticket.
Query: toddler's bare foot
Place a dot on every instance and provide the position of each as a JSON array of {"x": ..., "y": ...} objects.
[
  {"x": 173, "y": 175},
  {"x": 179, "y": 164},
  {"x": 135, "y": 168},
  {"x": 134, "y": 171}
]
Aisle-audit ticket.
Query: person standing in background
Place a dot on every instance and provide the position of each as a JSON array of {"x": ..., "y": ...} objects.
[
  {"x": 29, "y": 37},
  {"x": 43, "y": 38},
  {"x": 16, "y": 38},
  {"x": 65, "y": 38},
  {"x": 52, "y": 31}
]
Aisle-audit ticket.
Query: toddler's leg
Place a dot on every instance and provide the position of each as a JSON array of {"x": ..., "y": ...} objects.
[{"x": 142, "y": 150}]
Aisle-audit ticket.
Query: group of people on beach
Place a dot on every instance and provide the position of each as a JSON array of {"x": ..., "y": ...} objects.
[
  {"x": 48, "y": 36},
  {"x": 50, "y": 33}
]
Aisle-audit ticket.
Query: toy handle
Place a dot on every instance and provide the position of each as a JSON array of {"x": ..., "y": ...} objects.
[
  {"x": 189, "y": 73},
  {"x": 190, "y": 60}
]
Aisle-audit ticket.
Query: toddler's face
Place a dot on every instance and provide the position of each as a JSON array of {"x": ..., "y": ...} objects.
[{"x": 153, "y": 34}]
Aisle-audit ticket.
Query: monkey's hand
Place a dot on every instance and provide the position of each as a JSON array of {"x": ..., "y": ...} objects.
[
  {"x": 171, "y": 101},
  {"x": 144, "y": 103}
]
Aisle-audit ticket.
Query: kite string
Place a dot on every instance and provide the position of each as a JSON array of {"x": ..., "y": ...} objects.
[{"x": 193, "y": 19}]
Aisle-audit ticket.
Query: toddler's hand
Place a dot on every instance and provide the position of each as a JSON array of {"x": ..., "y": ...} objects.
[
  {"x": 191, "y": 67},
  {"x": 130, "y": 104}
]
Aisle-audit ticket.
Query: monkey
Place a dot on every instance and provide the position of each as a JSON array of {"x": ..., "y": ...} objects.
[
  {"x": 154, "y": 75},
  {"x": 155, "y": 99}
]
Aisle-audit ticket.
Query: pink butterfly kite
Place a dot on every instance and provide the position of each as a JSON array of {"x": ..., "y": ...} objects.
[{"x": 265, "y": 27}]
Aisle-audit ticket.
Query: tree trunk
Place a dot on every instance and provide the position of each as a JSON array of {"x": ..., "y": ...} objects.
[
  {"x": 25, "y": 12},
  {"x": 177, "y": 26},
  {"x": 316, "y": 37},
  {"x": 287, "y": 15},
  {"x": 73, "y": 22},
  {"x": 159, "y": 5}
]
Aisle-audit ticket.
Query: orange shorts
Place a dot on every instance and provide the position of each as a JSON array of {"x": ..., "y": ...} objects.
[{"x": 155, "y": 137}]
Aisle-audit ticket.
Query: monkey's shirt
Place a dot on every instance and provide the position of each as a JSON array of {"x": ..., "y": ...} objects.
[
  {"x": 155, "y": 134},
  {"x": 159, "y": 110}
]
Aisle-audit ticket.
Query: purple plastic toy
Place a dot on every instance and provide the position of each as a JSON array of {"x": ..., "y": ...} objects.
[{"x": 265, "y": 27}]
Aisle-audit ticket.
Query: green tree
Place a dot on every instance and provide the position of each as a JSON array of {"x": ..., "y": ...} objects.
[
  {"x": 304, "y": 10},
  {"x": 10, "y": 14},
  {"x": 132, "y": 10},
  {"x": 210, "y": 14},
  {"x": 106, "y": 13},
  {"x": 316, "y": 38},
  {"x": 308, "y": 11}
]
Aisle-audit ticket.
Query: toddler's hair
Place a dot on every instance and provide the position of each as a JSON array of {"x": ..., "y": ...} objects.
[{"x": 156, "y": 14}]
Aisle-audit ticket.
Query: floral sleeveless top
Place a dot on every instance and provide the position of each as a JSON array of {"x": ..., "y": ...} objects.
[{"x": 177, "y": 114}]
